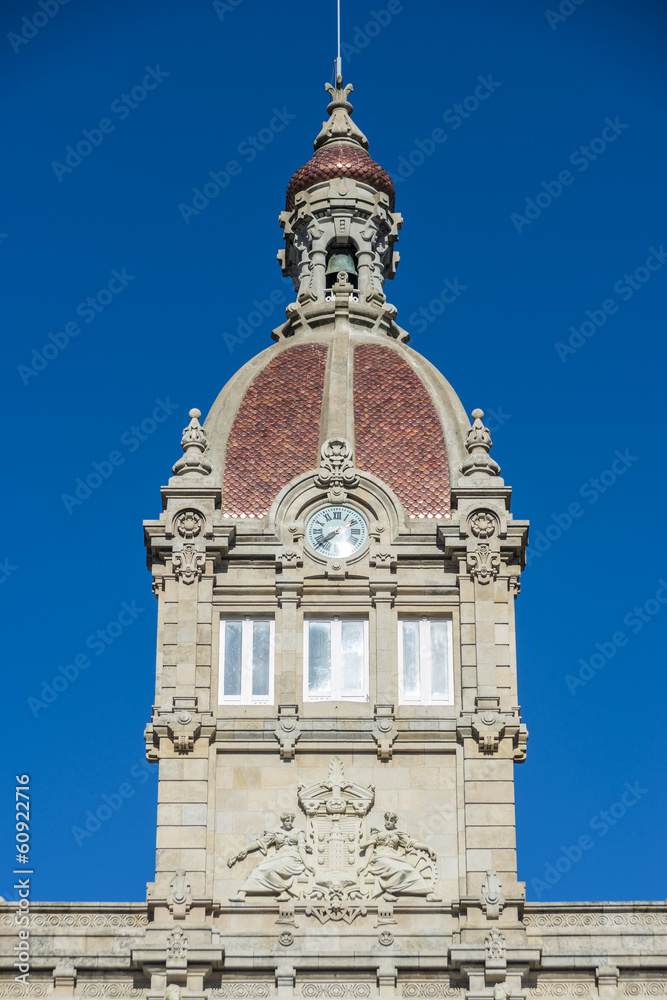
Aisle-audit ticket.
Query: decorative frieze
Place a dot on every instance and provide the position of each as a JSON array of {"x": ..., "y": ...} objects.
[
  {"x": 242, "y": 990},
  {"x": 645, "y": 988},
  {"x": 30, "y": 989},
  {"x": 626, "y": 921},
  {"x": 78, "y": 920},
  {"x": 110, "y": 990},
  {"x": 336, "y": 991},
  {"x": 568, "y": 988},
  {"x": 432, "y": 988}
]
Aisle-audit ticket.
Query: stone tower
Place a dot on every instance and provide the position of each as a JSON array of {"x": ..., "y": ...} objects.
[{"x": 336, "y": 719}]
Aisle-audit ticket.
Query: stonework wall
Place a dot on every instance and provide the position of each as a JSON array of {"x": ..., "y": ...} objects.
[{"x": 570, "y": 950}]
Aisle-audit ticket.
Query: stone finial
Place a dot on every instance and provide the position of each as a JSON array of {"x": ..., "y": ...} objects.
[
  {"x": 478, "y": 445},
  {"x": 340, "y": 127},
  {"x": 193, "y": 444}
]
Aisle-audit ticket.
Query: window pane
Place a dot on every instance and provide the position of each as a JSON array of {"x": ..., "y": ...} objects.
[
  {"x": 319, "y": 658},
  {"x": 439, "y": 671},
  {"x": 411, "y": 671},
  {"x": 352, "y": 658},
  {"x": 261, "y": 648},
  {"x": 232, "y": 680}
]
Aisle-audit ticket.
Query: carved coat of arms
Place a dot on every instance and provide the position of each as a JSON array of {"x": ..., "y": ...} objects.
[{"x": 336, "y": 867}]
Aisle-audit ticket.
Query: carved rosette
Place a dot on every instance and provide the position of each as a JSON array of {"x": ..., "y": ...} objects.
[{"x": 189, "y": 551}]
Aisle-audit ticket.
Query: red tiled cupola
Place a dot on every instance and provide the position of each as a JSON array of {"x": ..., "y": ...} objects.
[{"x": 340, "y": 160}]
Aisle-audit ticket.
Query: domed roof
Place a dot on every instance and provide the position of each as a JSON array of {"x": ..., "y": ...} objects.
[
  {"x": 340, "y": 160},
  {"x": 267, "y": 425},
  {"x": 340, "y": 370}
]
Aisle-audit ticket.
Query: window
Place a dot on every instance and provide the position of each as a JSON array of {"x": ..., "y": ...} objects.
[
  {"x": 425, "y": 670},
  {"x": 335, "y": 659},
  {"x": 246, "y": 661}
]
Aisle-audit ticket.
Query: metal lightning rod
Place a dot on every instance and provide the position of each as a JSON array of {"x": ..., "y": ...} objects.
[{"x": 339, "y": 65}]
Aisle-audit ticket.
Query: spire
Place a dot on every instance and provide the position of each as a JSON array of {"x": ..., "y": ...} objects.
[{"x": 340, "y": 127}]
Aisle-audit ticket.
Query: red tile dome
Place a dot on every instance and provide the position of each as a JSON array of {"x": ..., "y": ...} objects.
[
  {"x": 277, "y": 426},
  {"x": 340, "y": 160}
]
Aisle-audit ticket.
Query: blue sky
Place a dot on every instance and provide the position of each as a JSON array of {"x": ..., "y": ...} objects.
[{"x": 541, "y": 200}]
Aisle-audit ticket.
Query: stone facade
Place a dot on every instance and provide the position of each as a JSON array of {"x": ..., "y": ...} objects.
[{"x": 355, "y": 839}]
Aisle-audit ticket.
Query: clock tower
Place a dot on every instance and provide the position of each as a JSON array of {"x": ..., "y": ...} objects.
[{"x": 336, "y": 721}]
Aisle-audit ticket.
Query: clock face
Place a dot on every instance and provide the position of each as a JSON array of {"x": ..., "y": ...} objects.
[{"x": 336, "y": 531}]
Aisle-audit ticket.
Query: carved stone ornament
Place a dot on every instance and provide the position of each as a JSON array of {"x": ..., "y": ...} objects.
[
  {"x": 478, "y": 446},
  {"x": 484, "y": 563},
  {"x": 337, "y": 473},
  {"x": 492, "y": 898},
  {"x": 334, "y": 866},
  {"x": 182, "y": 724},
  {"x": 494, "y": 946},
  {"x": 194, "y": 445},
  {"x": 177, "y": 944},
  {"x": 483, "y": 523},
  {"x": 340, "y": 125},
  {"x": 384, "y": 731},
  {"x": 488, "y": 726},
  {"x": 189, "y": 554},
  {"x": 179, "y": 894},
  {"x": 288, "y": 730}
]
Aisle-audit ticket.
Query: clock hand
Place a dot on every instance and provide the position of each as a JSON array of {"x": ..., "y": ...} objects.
[{"x": 325, "y": 538}]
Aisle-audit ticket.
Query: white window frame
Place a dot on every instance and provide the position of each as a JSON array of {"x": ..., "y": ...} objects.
[
  {"x": 246, "y": 697},
  {"x": 425, "y": 697},
  {"x": 335, "y": 621}
]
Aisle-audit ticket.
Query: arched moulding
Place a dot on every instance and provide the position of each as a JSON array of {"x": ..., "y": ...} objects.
[{"x": 381, "y": 507}]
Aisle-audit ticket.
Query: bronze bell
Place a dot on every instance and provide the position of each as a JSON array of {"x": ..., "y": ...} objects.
[{"x": 341, "y": 262}]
